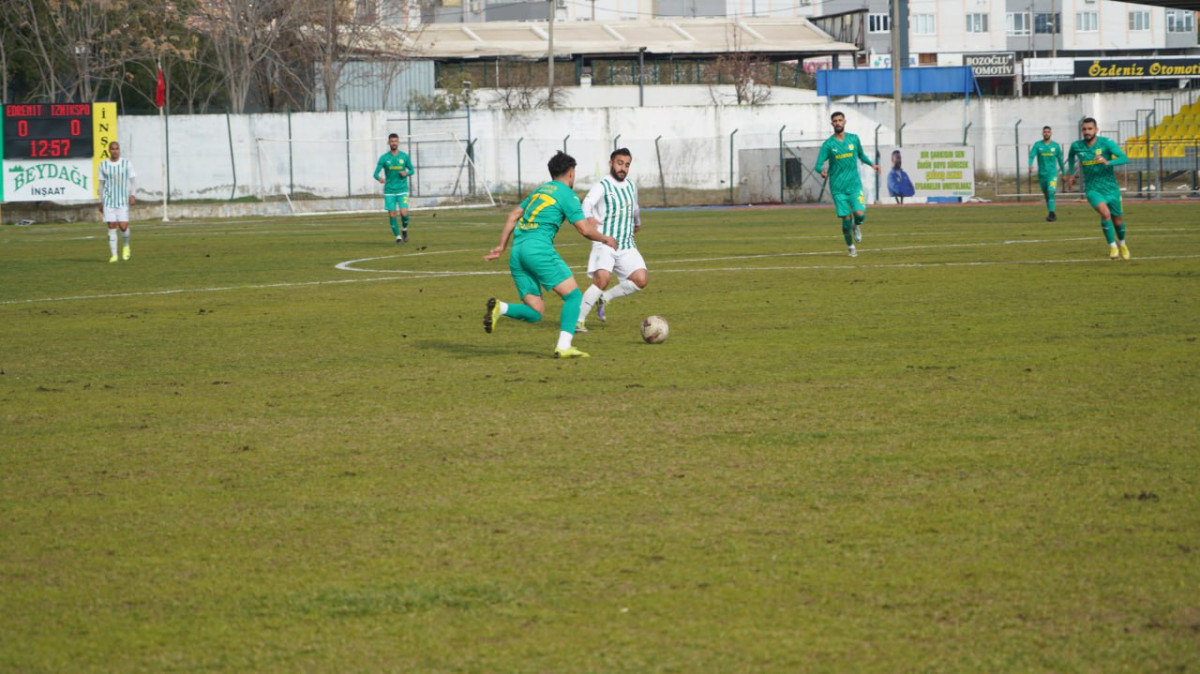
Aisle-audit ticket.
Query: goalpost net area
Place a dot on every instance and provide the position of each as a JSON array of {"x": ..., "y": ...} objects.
[{"x": 297, "y": 170}]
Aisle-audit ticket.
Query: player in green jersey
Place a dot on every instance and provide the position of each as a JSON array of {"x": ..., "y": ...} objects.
[
  {"x": 613, "y": 202},
  {"x": 392, "y": 171},
  {"x": 843, "y": 151},
  {"x": 1097, "y": 156},
  {"x": 1049, "y": 158},
  {"x": 535, "y": 264}
]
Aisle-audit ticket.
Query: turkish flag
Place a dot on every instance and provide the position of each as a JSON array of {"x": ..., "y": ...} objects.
[{"x": 160, "y": 91}]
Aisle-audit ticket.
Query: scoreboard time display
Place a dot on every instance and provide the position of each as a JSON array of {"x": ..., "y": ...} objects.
[
  {"x": 51, "y": 151},
  {"x": 54, "y": 131}
]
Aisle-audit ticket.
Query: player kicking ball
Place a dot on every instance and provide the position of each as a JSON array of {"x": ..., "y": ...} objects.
[
  {"x": 613, "y": 202},
  {"x": 533, "y": 262}
]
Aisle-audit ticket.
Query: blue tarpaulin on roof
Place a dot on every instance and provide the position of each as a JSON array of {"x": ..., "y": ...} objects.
[{"x": 878, "y": 81}]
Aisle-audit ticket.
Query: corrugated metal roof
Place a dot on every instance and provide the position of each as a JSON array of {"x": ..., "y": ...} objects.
[{"x": 530, "y": 39}]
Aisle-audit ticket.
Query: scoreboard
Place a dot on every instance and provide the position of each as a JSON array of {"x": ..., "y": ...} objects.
[{"x": 52, "y": 151}]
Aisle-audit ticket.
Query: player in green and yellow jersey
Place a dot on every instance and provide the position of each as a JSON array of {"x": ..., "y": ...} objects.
[
  {"x": 1049, "y": 157},
  {"x": 535, "y": 264},
  {"x": 1097, "y": 156},
  {"x": 843, "y": 151},
  {"x": 392, "y": 170}
]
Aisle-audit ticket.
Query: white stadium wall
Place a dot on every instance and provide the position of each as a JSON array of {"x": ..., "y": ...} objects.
[{"x": 220, "y": 157}]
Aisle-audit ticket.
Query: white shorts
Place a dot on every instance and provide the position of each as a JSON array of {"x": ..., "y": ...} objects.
[
  {"x": 116, "y": 214},
  {"x": 622, "y": 262}
]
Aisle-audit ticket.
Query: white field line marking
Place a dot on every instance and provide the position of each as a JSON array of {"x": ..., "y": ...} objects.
[
  {"x": 349, "y": 265},
  {"x": 403, "y": 274}
]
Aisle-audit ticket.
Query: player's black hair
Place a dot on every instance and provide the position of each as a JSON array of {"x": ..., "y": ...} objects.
[
  {"x": 1046, "y": 128},
  {"x": 1088, "y": 119},
  {"x": 393, "y": 135},
  {"x": 560, "y": 163},
  {"x": 837, "y": 114},
  {"x": 620, "y": 152}
]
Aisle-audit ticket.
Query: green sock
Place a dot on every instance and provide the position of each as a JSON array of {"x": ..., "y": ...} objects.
[
  {"x": 859, "y": 218},
  {"x": 1050, "y": 201},
  {"x": 395, "y": 227},
  {"x": 404, "y": 222},
  {"x": 1107, "y": 226},
  {"x": 847, "y": 234},
  {"x": 522, "y": 312},
  {"x": 570, "y": 311},
  {"x": 1121, "y": 232}
]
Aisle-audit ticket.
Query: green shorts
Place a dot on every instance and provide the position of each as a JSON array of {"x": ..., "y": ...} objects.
[
  {"x": 1048, "y": 184},
  {"x": 535, "y": 265},
  {"x": 1112, "y": 199},
  {"x": 395, "y": 202},
  {"x": 846, "y": 203}
]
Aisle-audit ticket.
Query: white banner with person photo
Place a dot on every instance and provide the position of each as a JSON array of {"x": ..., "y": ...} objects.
[{"x": 927, "y": 173}]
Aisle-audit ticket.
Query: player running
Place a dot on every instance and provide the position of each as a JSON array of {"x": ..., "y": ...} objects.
[
  {"x": 535, "y": 264},
  {"x": 613, "y": 202},
  {"x": 395, "y": 167},
  {"x": 1097, "y": 156},
  {"x": 116, "y": 178},
  {"x": 1049, "y": 157},
  {"x": 844, "y": 151}
]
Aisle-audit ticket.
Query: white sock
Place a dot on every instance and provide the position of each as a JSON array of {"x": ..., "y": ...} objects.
[
  {"x": 1122, "y": 242},
  {"x": 623, "y": 288},
  {"x": 112, "y": 241},
  {"x": 564, "y": 340},
  {"x": 125, "y": 234},
  {"x": 503, "y": 308},
  {"x": 589, "y": 300}
]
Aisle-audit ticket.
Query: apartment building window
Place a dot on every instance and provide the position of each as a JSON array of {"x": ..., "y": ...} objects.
[
  {"x": 879, "y": 23},
  {"x": 1180, "y": 22},
  {"x": 1087, "y": 22},
  {"x": 1045, "y": 23},
  {"x": 366, "y": 11},
  {"x": 922, "y": 24},
  {"x": 1139, "y": 20},
  {"x": 1018, "y": 23},
  {"x": 977, "y": 23}
]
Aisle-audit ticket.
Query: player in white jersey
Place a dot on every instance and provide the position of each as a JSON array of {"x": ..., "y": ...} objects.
[
  {"x": 613, "y": 202},
  {"x": 116, "y": 196}
]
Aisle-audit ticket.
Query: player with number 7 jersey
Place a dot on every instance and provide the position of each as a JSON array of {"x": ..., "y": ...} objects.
[{"x": 535, "y": 264}]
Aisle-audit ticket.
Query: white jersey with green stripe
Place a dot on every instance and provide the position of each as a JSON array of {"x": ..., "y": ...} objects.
[
  {"x": 116, "y": 182},
  {"x": 615, "y": 204}
]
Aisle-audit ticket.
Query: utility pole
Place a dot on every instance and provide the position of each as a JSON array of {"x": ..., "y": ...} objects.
[
  {"x": 550, "y": 51},
  {"x": 896, "y": 65}
]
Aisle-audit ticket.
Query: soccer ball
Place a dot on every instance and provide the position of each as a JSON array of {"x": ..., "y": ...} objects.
[{"x": 655, "y": 329}]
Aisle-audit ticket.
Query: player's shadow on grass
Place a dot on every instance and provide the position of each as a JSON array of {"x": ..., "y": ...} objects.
[{"x": 466, "y": 350}]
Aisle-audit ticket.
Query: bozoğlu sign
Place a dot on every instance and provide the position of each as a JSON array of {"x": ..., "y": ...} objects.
[{"x": 999, "y": 64}]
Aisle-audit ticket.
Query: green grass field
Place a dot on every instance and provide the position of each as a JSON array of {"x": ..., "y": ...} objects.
[{"x": 972, "y": 448}]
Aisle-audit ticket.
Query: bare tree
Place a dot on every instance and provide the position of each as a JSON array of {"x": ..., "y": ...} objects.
[
  {"x": 748, "y": 73},
  {"x": 245, "y": 34}
]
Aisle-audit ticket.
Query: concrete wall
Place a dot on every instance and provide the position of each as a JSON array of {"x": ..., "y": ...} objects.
[{"x": 220, "y": 157}]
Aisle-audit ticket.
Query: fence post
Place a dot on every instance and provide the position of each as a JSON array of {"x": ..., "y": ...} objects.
[
  {"x": 965, "y": 130},
  {"x": 349, "y": 190},
  {"x": 519, "y": 167},
  {"x": 232, "y": 162},
  {"x": 565, "y": 143},
  {"x": 615, "y": 141},
  {"x": 877, "y": 156},
  {"x": 782, "y": 166},
  {"x": 662, "y": 181},
  {"x": 1017, "y": 154},
  {"x": 291, "y": 163},
  {"x": 731, "y": 164}
]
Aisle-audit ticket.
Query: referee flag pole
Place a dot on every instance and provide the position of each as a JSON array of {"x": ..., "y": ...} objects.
[{"x": 160, "y": 99}]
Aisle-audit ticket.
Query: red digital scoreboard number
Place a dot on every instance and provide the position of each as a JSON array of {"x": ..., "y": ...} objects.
[{"x": 48, "y": 131}]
